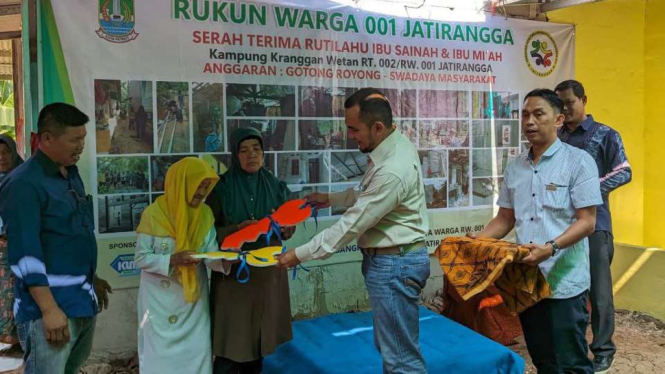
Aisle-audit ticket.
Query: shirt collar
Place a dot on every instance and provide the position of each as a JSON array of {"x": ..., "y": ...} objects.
[
  {"x": 584, "y": 125},
  {"x": 550, "y": 151},
  {"x": 380, "y": 153},
  {"x": 50, "y": 167},
  {"x": 587, "y": 123}
]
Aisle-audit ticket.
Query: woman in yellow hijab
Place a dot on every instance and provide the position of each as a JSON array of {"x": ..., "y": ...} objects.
[{"x": 174, "y": 319}]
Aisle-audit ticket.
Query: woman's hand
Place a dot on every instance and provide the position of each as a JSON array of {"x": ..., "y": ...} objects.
[{"x": 184, "y": 258}]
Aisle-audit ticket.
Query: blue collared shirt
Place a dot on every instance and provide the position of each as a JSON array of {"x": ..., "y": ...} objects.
[
  {"x": 545, "y": 197},
  {"x": 51, "y": 240},
  {"x": 603, "y": 144}
]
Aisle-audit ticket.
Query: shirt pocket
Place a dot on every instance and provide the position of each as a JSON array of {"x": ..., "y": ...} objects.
[{"x": 556, "y": 196}]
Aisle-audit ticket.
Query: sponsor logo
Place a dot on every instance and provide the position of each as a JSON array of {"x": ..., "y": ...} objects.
[{"x": 124, "y": 265}]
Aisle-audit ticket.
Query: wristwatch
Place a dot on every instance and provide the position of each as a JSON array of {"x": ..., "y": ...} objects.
[{"x": 555, "y": 247}]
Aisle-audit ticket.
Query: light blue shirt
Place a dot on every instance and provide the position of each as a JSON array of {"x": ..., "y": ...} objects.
[{"x": 544, "y": 197}]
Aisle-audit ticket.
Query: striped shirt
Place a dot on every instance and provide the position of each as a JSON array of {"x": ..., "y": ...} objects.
[{"x": 545, "y": 197}]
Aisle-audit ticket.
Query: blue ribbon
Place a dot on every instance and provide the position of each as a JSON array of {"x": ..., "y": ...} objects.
[
  {"x": 243, "y": 268},
  {"x": 274, "y": 229},
  {"x": 314, "y": 214}
]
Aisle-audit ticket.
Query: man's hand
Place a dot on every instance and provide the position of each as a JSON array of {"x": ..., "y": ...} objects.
[
  {"x": 56, "y": 329},
  {"x": 249, "y": 222},
  {"x": 102, "y": 289},
  {"x": 321, "y": 199},
  {"x": 184, "y": 258},
  {"x": 287, "y": 260},
  {"x": 539, "y": 253}
]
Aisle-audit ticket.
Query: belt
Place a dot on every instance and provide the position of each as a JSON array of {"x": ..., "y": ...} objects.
[{"x": 395, "y": 250}]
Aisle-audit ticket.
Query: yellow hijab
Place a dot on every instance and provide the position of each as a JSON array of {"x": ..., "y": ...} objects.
[{"x": 172, "y": 216}]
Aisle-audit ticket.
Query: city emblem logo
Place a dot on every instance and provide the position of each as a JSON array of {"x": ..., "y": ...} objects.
[
  {"x": 117, "y": 21},
  {"x": 541, "y": 53}
]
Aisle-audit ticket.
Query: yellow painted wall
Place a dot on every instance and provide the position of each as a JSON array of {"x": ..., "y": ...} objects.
[
  {"x": 638, "y": 277},
  {"x": 654, "y": 130},
  {"x": 609, "y": 57}
]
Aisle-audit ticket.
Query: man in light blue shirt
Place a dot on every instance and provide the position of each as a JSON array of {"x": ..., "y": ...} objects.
[{"x": 549, "y": 195}]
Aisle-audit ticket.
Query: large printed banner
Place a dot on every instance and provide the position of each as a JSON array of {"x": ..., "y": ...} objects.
[{"x": 162, "y": 80}]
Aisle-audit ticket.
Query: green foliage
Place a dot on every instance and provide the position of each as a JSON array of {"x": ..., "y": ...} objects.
[{"x": 7, "y": 125}]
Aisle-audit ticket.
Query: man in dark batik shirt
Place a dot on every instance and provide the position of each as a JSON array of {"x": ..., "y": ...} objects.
[{"x": 604, "y": 144}]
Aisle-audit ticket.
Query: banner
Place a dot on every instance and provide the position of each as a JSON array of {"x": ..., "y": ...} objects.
[{"x": 162, "y": 80}]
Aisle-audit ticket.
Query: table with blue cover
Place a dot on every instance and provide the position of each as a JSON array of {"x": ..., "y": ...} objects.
[{"x": 344, "y": 343}]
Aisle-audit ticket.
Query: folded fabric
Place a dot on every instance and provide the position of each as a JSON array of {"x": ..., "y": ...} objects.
[{"x": 472, "y": 265}]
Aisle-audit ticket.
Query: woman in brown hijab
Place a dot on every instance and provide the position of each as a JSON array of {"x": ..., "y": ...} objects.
[{"x": 249, "y": 320}]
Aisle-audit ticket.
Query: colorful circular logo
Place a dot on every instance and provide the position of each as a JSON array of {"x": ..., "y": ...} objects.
[{"x": 541, "y": 53}]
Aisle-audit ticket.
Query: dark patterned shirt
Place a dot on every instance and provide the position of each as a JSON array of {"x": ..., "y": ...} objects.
[{"x": 605, "y": 146}]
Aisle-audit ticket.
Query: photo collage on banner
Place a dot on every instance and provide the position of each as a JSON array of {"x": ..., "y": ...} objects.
[{"x": 464, "y": 139}]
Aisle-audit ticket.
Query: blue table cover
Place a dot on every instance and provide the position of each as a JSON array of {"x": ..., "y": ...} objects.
[{"x": 344, "y": 343}]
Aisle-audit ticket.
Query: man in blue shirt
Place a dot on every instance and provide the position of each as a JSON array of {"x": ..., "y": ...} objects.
[
  {"x": 52, "y": 247},
  {"x": 605, "y": 146},
  {"x": 549, "y": 195}
]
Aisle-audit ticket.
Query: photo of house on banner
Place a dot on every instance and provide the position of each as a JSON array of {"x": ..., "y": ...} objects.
[
  {"x": 158, "y": 167},
  {"x": 300, "y": 191},
  {"x": 458, "y": 178},
  {"x": 339, "y": 210},
  {"x": 402, "y": 102},
  {"x": 277, "y": 134},
  {"x": 434, "y": 163},
  {"x": 324, "y": 134},
  {"x": 486, "y": 166},
  {"x": 506, "y": 134},
  {"x": 435, "y": 193},
  {"x": 347, "y": 166},
  {"x": 443, "y": 104},
  {"x": 323, "y": 101},
  {"x": 117, "y": 175},
  {"x": 408, "y": 128},
  {"x": 208, "y": 117},
  {"x": 444, "y": 134},
  {"x": 303, "y": 167},
  {"x": 256, "y": 100},
  {"x": 173, "y": 117},
  {"x": 500, "y": 105},
  {"x": 120, "y": 213},
  {"x": 486, "y": 191},
  {"x": 123, "y": 117}
]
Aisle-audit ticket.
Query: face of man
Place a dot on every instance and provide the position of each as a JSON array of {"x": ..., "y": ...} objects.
[
  {"x": 573, "y": 107},
  {"x": 65, "y": 149},
  {"x": 366, "y": 136},
  {"x": 540, "y": 121},
  {"x": 250, "y": 155}
]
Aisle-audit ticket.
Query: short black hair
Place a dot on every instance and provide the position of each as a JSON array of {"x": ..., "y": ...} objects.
[
  {"x": 376, "y": 109},
  {"x": 549, "y": 96},
  {"x": 56, "y": 117},
  {"x": 576, "y": 86}
]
